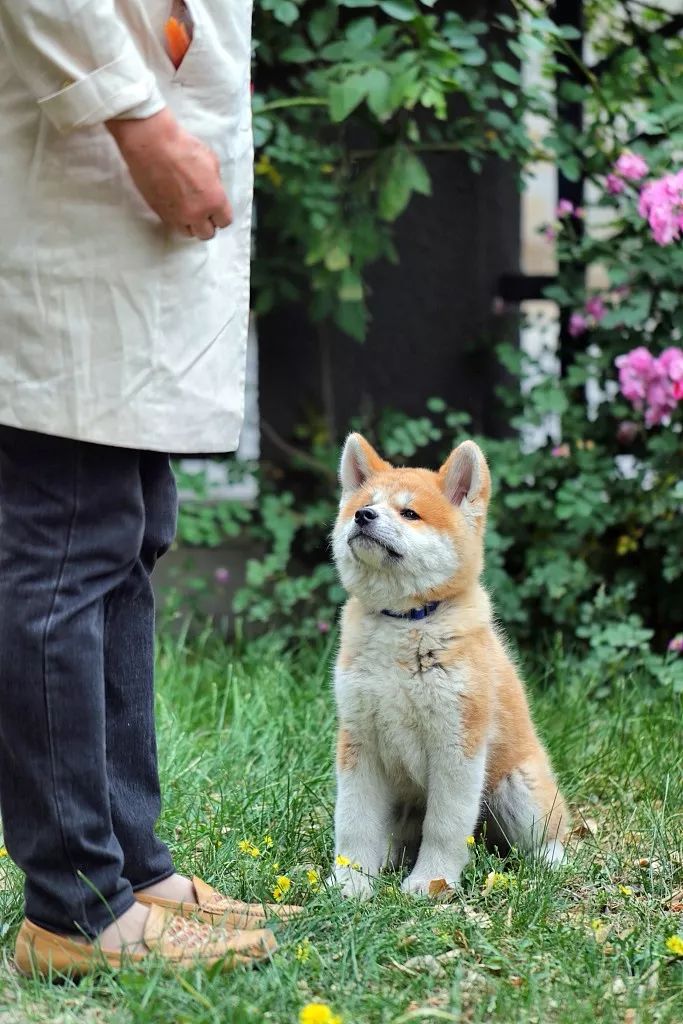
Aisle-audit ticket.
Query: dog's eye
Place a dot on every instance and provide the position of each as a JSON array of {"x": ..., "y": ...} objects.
[{"x": 408, "y": 513}]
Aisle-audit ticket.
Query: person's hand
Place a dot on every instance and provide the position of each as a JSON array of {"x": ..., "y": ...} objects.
[{"x": 177, "y": 175}]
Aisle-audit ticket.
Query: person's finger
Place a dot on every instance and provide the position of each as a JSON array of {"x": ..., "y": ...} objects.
[
  {"x": 204, "y": 229},
  {"x": 222, "y": 215}
]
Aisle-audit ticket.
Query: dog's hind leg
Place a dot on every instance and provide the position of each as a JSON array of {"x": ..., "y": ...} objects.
[{"x": 525, "y": 809}]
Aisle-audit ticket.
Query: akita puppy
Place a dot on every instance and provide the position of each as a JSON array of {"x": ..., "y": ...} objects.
[{"x": 435, "y": 739}]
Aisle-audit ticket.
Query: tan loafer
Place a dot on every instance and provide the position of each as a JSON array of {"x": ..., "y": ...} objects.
[
  {"x": 175, "y": 939},
  {"x": 214, "y": 908}
]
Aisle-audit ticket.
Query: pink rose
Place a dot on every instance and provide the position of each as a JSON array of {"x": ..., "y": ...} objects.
[
  {"x": 631, "y": 166},
  {"x": 664, "y": 224},
  {"x": 661, "y": 202},
  {"x": 638, "y": 359},
  {"x": 578, "y": 325},
  {"x": 653, "y": 384},
  {"x": 671, "y": 361},
  {"x": 675, "y": 645},
  {"x": 615, "y": 186},
  {"x": 659, "y": 397},
  {"x": 636, "y": 369},
  {"x": 565, "y": 208},
  {"x": 221, "y": 575},
  {"x": 323, "y": 627},
  {"x": 560, "y": 451},
  {"x": 595, "y": 307}
]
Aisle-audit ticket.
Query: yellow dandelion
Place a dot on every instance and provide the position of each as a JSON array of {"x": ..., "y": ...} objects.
[
  {"x": 341, "y": 862},
  {"x": 470, "y": 840},
  {"x": 313, "y": 878},
  {"x": 276, "y": 865},
  {"x": 496, "y": 880},
  {"x": 302, "y": 952},
  {"x": 675, "y": 945},
  {"x": 3, "y": 852},
  {"x": 318, "y": 1013},
  {"x": 626, "y": 890},
  {"x": 356, "y": 866},
  {"x": 282, "y": 887},
  {"x": 267, "y": 841},
  {"x": 247, "y": 847},
  {"x": 596, "y": 924}
]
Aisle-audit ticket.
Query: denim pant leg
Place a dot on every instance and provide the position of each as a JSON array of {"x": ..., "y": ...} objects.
[
  {"x": 71, "y": 528},
  {"x": 129, "y": 681}
]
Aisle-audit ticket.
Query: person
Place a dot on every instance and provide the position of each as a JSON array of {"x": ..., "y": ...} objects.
[{"x": 124, "y": 290}]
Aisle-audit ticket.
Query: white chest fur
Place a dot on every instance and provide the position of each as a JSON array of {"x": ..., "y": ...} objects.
[{"x": 399, "y": 698}]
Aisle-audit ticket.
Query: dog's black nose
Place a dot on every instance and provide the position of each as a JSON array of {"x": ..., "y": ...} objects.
[{"x": 365, "y": 515}]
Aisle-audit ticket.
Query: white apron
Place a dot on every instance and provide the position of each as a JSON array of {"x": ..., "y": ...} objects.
[{"x": 114, "y": 329}]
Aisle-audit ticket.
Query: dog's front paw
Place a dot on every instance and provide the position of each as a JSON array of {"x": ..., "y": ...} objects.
[
  {"x": 352, "y": 883},
  {"x": 439, "y": 887}
]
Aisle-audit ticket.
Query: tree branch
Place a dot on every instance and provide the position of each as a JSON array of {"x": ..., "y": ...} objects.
[{"x": 297, "y": 454}]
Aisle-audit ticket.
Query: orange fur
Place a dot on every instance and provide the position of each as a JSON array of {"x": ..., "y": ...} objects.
[{"x": 347, "y": 751}]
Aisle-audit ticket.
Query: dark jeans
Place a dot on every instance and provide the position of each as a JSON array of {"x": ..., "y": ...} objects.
[{"x": 81, "y": 527}]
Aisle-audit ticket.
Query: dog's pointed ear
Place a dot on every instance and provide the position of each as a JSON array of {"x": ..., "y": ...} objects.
[
  {"x": 466, "y": 480},
  {"x": 358, "y": 462}
]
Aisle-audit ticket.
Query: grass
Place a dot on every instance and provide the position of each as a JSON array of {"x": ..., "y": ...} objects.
[{"x": 245, "y": 743}]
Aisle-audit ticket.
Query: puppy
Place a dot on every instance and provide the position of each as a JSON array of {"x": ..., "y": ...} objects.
[{"x": 435, "y": 740}]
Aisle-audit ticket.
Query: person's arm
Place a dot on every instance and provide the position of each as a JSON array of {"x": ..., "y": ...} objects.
[{"x": 78, "y": 60}]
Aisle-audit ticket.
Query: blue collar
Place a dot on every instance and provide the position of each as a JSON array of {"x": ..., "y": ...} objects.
[{"x": 415, "y": 613}]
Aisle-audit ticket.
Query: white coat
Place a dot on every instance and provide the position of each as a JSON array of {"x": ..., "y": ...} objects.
[{"x": 113, "y": 328}]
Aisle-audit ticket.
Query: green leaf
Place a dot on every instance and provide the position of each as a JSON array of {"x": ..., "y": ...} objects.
[
  {"x": 336, "y": 258},
  {"x": 474, "y": 58},
  {"x": 321, "y": 24},
  {"x": 345, "y": 96},
  {"x": 285, "y": 12},
  {"x": 571, "y": 166},
  {"x": 461, "y": 38},
  {"x": 416, "y": 174},
  {"x": 351, "y": 289},
  {"x": 568, "y": 32},
  {"x": 362, "y": 32},
  {"x": 401, "y": 10},
  {"x": 378, "y": 84},
  {"x": 298, "y": 54},
  {"x": 352, "y": 318},
  {"x": 407, "y": 174},
  {"x": 506, "y": 72}
]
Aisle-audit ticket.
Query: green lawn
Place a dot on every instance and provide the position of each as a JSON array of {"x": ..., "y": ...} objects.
[{"x": 246, "y": 741}]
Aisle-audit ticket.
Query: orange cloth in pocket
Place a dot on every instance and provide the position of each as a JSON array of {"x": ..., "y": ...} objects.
[{"x": 177, "y": 40}]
